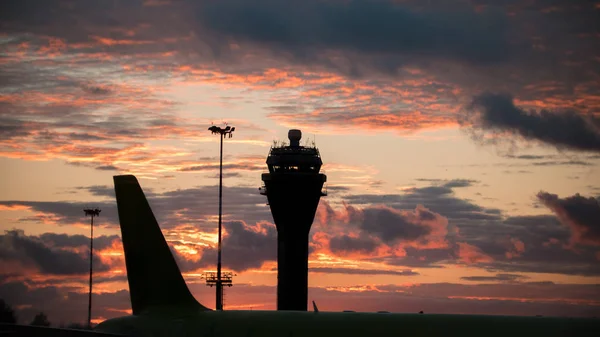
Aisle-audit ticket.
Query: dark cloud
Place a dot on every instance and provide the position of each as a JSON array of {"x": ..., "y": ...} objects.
[
  {"x": 107, "y": 168},
  {"x": 65, "y": 212},
  {"x": 352, "y": 271},
  {"x": 498, "y": 277},
  {"x": 34, "y": 251},
  {"x": 96, "y": 89},
  {"x": 86, "y": 136},
  {"x": 64, "y": 240},
  {"x": 390, "y": 31},
  {"x": 227, "y": 175},
  {"x": 39, "y": 15},
  {"x": 538, "y": 244},
  {"x": 433, "y": 190},
  {"x": 549, "y": 160},
  {"x": 427, "y": 234},
  {"x": 249, "y": 246},
  {"x": 214, "y": 40},
  {"x": 213, "y": 167},
  {"x": 580, "y": 214},
  {"x": 497, "y": 113},
  {"x": 420, "y": 258},
  {"x": 376, "y": 224},
  {"x": 10, "y": 128},
  {"x": 197, "y": 205},
  {"x": 106, "y": 191},
  {"x": 439, "y": 199},
  {"x": 382, "y": 35},
  {"x": 72, "y": 281},
  {"x": 446, "y": 184},
  {"x": 390, "y": 225},
  {"x": 38, "y": 78},
  {"x": 338, "y": 188},
  {"x": 506, "y": 244},
  {"x": 528, "y": 156},
  {"x": 375, "y": 35},
  {"x": 194, "y": 206},
  {"x": 460, "y": 183},
  {"x": 347, "y": 244},
  {"x": 567, "y": 163}
]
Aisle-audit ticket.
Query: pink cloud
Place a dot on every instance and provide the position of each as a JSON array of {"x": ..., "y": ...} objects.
[{"x": 517, "y": 248}]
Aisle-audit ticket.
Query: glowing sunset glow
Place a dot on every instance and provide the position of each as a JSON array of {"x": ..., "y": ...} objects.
[
  {"x": 186, "y": 250},
  {"x": 249, "y": 306},
  {"x": 358, "y": 289},
  {"x": 461, "y": 147},
  {"x": 525, "y": 300}
]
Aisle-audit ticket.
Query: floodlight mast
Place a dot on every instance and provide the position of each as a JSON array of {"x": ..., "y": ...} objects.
[
  {"x": 222, "y": 132},
  {"x": 92, "y": 213}
]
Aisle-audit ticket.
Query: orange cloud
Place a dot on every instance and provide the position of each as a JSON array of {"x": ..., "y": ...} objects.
[
  {"x": 471, "y": 254},
  {"x": 14, "y": 207},
  {"x": 114, "y": 42},
  {"x": 356, "y": 289},
  {"x": 401, "y": 106},
  {"x": 243, "y": 163},
  {"x": 113, "y": 256},
  {"x": 572, "y": 301}
]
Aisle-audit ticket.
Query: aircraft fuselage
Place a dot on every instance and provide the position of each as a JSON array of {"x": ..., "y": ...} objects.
[{"x": 305, "y": 324}]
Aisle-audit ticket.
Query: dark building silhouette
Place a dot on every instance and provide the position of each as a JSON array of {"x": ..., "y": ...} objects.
[{"x": 293, "y": 188}]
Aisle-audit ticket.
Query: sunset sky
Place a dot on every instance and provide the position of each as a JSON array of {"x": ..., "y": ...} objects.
[{"x": 461, "y": 141}]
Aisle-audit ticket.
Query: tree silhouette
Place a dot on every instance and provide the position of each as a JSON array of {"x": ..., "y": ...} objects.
[
  {"x": 40, "y": 320},
  {"x": 7, "y": 315}
]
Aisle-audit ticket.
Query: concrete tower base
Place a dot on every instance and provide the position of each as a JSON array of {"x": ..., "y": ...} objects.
[{"x": 293, "y": 197}]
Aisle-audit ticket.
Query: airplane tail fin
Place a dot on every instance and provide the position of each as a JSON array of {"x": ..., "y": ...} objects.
[{"x": 154, "y": 277}]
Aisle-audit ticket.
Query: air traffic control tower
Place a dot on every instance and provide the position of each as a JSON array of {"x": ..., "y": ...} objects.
[{"x": 293, "y": 188}]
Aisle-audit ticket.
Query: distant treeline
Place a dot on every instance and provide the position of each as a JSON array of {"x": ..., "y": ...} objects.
[{"x": 8, "y": 315}]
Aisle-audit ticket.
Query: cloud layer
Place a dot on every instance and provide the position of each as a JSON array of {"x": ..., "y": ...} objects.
[
  {"x": 365, "y": 238},
  {"x": 497, "y": 113},
  {"x": 380, "y": 65}
]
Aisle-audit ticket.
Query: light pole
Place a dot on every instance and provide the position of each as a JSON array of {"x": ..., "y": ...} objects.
[
  {"x": 222, "y": 132},
  {"x": 92, "y": 213}
]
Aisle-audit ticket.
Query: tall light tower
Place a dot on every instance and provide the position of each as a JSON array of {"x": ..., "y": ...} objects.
[
  {"x": 92, "y": 213},
  {"x": 222, "y": 132}
]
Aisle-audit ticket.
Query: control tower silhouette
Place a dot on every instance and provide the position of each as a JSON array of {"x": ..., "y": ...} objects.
[{"x": 293, "y": 188}]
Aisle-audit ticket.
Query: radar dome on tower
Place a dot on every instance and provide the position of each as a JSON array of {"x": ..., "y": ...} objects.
[{"x": 294, "y": 135}]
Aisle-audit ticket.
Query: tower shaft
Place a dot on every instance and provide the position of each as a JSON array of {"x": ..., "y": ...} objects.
[{"x": 293, "y": 198}]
